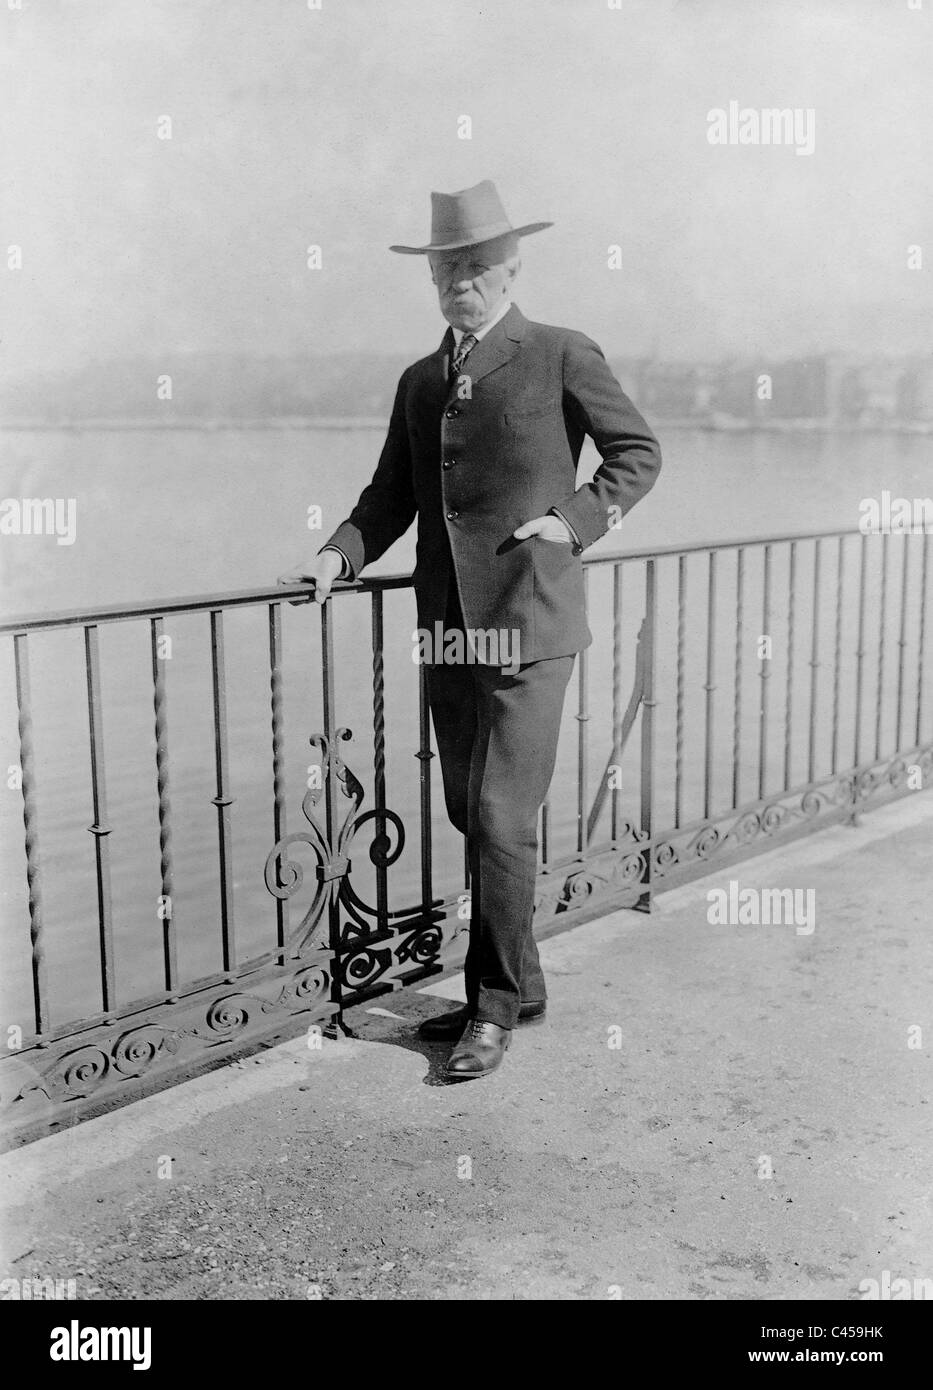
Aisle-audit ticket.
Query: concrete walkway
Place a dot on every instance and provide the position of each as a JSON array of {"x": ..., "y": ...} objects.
[{"x": 581, "y": 1170}]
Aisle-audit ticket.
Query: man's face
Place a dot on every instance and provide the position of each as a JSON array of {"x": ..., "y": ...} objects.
[{"x": 472, "y": 282}]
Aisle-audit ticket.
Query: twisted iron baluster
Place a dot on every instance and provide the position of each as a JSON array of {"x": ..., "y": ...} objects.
[
  {"x": 331, "y": 734},
  {"x": 764, "y": 675},
  {"x": 165, "y": 807},
  {"x": 617, "y": 673},
  {"x": 380, "y": 844},
  {"x": 31, "y": 828},
  {"x": 278, "y": 760}
]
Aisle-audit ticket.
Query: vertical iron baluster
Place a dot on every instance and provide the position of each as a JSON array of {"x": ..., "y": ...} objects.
[
  {"x": 100, "y": 829},
  {"x": 921, "y": 637},
  {"x": 860, "y": 648},
  {"x": 223, "y": 800},
  {"x": 837, "y": 656},
  {"x": 617, "y": 672},
  {"x": 169, "y": 951},
  {"x": 278, "y": 762},
  {"x": 789, "y": 688},
  {"x": 327, "y": 690},
  {"x": 902, "y": 644},
  {"x": 379, "y": 761},
  {"x": 330, "y": 789},
  {"x": 764, "y": 675},
  {"x": 647, "y": 717},
  {"x": 582, "y": 717},
  {"x": 737, "y": 693},
  {"x": 681, "y": 672},
  {"x": 814, "y": 661},
  {"x": 882, "y": 621},
  {"x": 709, "y": 685},
  {"x": 31, "y": 828},
  {"x": 424, "y": 756}
]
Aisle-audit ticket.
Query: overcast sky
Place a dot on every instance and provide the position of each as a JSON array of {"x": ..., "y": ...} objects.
[{"x": 293, "y": 126}]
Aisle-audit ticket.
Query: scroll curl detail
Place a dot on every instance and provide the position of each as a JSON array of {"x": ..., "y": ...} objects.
[{"x": 284, "y": 876}]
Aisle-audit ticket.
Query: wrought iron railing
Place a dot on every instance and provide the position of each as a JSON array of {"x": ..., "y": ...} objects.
[{"x": 647, "y": 793}]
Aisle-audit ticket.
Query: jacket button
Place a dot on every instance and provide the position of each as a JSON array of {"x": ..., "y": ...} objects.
[
  {"x": 452, "y": 515},
  {"x": 447, "y": 463},
  {"x": 451, "y": 414}
]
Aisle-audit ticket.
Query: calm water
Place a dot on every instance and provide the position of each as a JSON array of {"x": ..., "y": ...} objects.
[
  {"x": 179, "y": 512},
  {"x": 171, "y": 513}
]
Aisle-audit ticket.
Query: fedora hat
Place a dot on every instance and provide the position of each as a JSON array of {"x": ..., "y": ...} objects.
[{"x": 467, "y": 218}]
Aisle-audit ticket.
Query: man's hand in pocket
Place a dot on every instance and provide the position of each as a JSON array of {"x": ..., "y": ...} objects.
[{"x": 549, "y": 528}]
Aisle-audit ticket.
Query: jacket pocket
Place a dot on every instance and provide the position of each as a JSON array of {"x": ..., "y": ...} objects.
[{"x": 544, "y": 552}]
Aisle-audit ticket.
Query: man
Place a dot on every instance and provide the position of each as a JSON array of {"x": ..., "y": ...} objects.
[{"x": 482, "y": 446}]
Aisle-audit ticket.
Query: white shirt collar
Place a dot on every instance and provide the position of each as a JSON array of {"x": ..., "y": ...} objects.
[{"x": 481, "y": 332}]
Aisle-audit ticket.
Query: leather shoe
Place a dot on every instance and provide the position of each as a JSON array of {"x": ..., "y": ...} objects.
[
  {"x": 449, "y": 1026},
  {"x": 479, "y": 1051}
]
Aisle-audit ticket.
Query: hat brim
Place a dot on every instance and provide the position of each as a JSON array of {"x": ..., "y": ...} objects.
[{"x": 527, "y": 230}]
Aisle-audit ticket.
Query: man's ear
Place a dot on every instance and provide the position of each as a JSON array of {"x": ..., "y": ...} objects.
[{"x": 513, "y": 266}]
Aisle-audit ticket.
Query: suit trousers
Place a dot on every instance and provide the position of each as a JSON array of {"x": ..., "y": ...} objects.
[{"x": 497, "y": 741}]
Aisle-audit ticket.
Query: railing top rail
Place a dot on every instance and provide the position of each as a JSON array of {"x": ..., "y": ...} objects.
[
  {"x": 656, "y": 552},
  {"x": 242, "y": 598},
  {"x": 199, "y": 603}
]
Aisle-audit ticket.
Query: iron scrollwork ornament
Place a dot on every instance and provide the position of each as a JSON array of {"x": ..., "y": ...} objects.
[{"x": 284, "y": 876}]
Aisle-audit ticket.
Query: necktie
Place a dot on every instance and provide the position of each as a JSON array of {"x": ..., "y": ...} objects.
[{"x": 467, "y": 344}]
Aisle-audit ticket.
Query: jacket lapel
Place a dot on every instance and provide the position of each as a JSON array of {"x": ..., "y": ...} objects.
[
  {"x": 445, "y": 354},
  {"x": 434, "y": 375}
]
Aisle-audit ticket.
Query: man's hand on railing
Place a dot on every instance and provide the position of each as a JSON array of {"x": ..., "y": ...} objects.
[{"x": 321, "y": 572}]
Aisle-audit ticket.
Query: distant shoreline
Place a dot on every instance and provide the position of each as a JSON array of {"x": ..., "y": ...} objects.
[{"x": 727, "y": 425}]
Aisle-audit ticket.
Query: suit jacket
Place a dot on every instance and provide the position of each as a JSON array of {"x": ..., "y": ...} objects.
[{"x": 476, "y": 456}]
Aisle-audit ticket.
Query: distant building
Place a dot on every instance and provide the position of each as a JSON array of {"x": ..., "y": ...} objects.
[
  {"x": 868, "y": 394},
  {"x": 798, "y": 389},
  {"x": 733, "y": 392},
  {"x": 671, "y": 391},
  {"x": 915, "y": 393}
]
